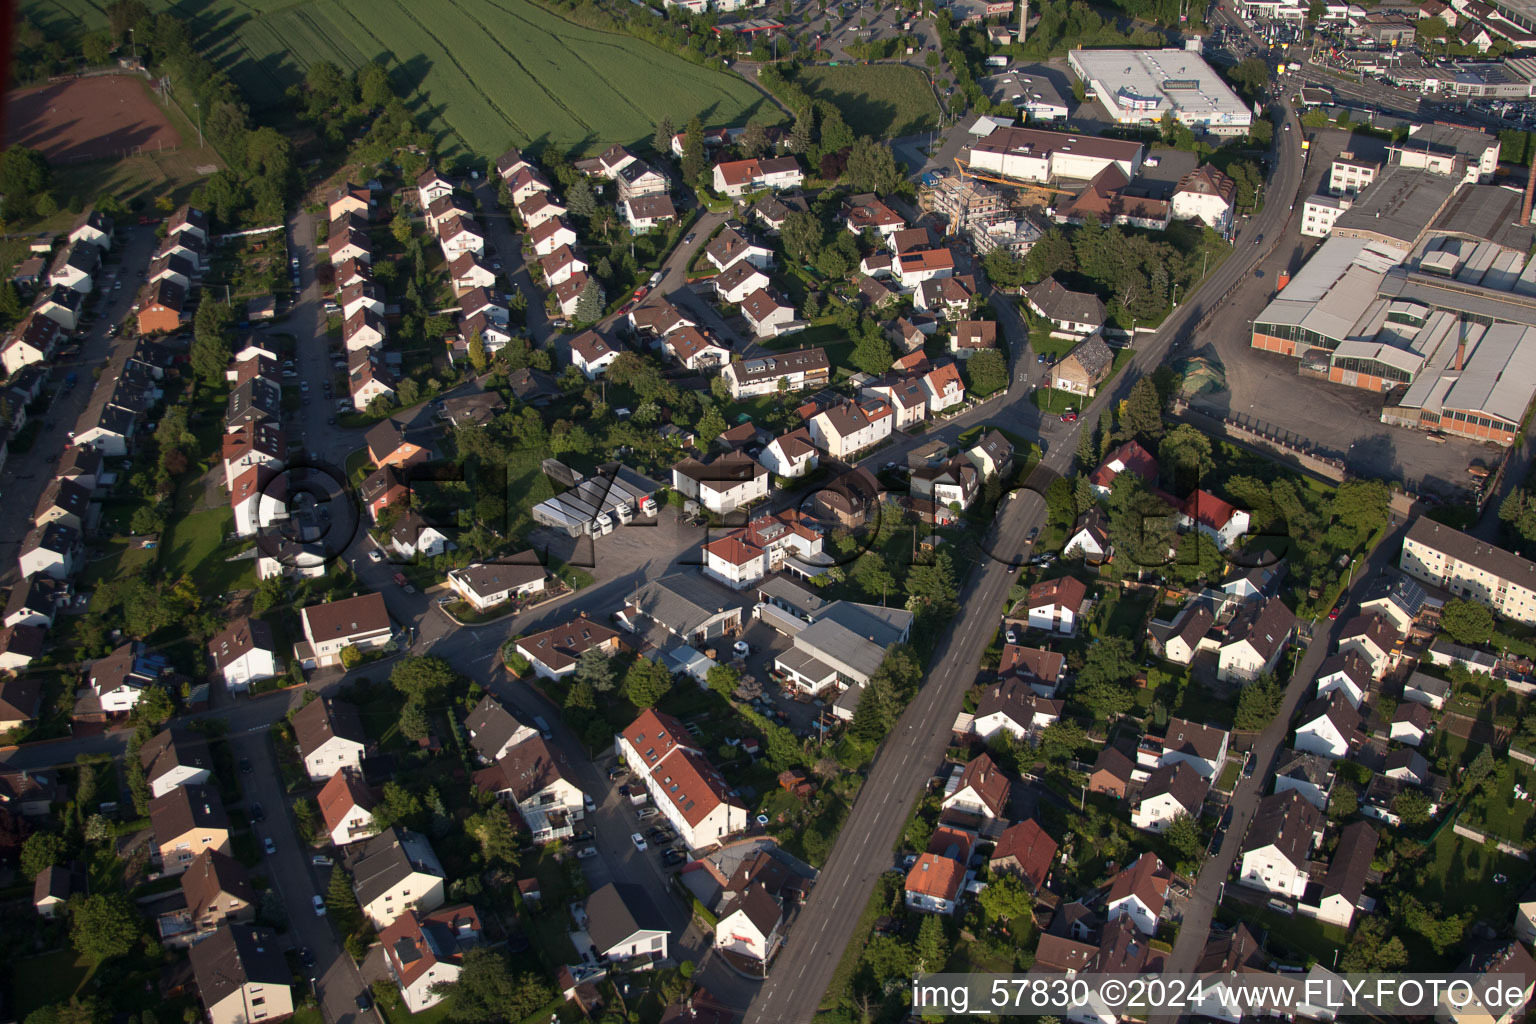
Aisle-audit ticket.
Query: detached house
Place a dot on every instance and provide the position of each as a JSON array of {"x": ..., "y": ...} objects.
[
  {"x": 1054, "y": 605},
  {"x": 738, "y": 177},
  {"x": 551, "y": 235},
  {"x": 536, "y": 779},
  {"x": 591, "y": 354},
  {"x": 724, "y": 484},
  {"x": 1372, "y": 639},
  {"x": 846, "y": 429},
  {"x": 791, "y": 455},
  {"x": 1070, "y": 313},
  {"x": 1255, "y": 641},
  {"x": 1139, "y": 893},
  {"x": 175, "y": 757},
  {"x": 624, "y": 924},
  {"x": 1202, "y": 747},
  {"x": 1346, "y": 673},
  {"x": 644, "y": 212},
  {"x": 1336, "y": 899},
  {"x": 493, "y": 731},
  {"x": 1171, "y": 790},
  {"x": 54, "y": 549},
  {"x": 422, "y": 951},
  {"x": 762, "y": 375},
  {"x": 244, "y": 653},
  {"x": 768, "y": 315},
  {"x": 217, "y": 889},
  {"x": 242, "y": 976},
  {"x": 119, "y": 680},
  {"x": 554, "y": 652},
  {"x": 1329, "y": 726},
  {"x": 1012, "y": 705},
  {"x": 397, "y": 872},
  {"x": 1207, "y": 195},
  {"x": 361, "y": 622},
  {"x": 695, "y": 349},
  {"x": 751, "y": 926},
  {"x": 186, "y": 821},
  {"x": 981, "y": 792},
  {"x": 1311, "y": 775},
  {"x": 1025, "y": 851},
  {"x": 730, "y": 245},
  {"x": 330, "y": 737},
  {"x": 933, "y": 884},
  {"x": 944, "y": 386},
  {"x": 486, "y": 585},
  {"x": 1411, "y": 723},
  {"x": 1276, "y": 851},
  {"x": 431, "y": 186},
  {"x": 1213, "y": 517},
  {"x": 346, "y": 807}
]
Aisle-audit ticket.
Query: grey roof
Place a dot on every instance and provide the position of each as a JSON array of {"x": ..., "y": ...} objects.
[
  {"x": 388, "y": 858},
  {"x": 668, "y": 601},
  {"x": 1399, "y": 205},
  {"x": 1287, "y": 821},
  {"x": 1093, "y": 355},
  {"x": 835, "y": 644},
  {"x": 1495, "y": 561},
  {"x": 1433, "y": 685},
  {"x": 1305, "y": 767},
  {"x": 236, "y": 955},
  {"x": 1409, "y": 760},
  {"x": 1488, "y": 212},
  {"x": 491, "y": 726},
  {"x": 619, "y": 910},
  {"x": 1060, "y": 304},
  {"x": 1181, "y": 781},
  {"x": 882, "y": 626}
]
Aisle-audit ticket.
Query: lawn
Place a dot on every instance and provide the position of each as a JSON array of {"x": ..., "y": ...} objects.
[
  {"x": 1295, "y": 934},
  {"x": 398, "y": 1014},
  {"x": 1458, "y": 874},
  {"x": 478, "y": 73},
  {"x": 50, "y": 978},
  {"x": 1054, "y": 401},
  {"x": 882, "y": 101},
  {"x": 194, "y": 546},
  {"x": 122, "y": 559},
  {"x": 1497, "y": 810}
]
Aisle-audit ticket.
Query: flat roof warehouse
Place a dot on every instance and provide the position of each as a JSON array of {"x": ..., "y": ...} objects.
[{"x": 1142, "y": 85}]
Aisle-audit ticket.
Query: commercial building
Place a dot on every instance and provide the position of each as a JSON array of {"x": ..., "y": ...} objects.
[
  {"x": 1398, "y": 209},
  {"x": 1141, "y": 86},
  {"x": 1025, "y": 154}
]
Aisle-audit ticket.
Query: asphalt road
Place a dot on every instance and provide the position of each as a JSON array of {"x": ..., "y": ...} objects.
[{"x": 910, "y": 755}]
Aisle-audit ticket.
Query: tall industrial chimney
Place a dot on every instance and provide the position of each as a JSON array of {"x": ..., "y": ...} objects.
[
  {"x": 1530, "y": 189},
  {"x": 1023, "y": 27}
]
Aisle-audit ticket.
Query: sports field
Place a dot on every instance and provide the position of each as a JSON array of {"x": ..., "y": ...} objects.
[
  {"x": 879, "y": 100},
  {"x": 484, "y": 72},
  {"x": 89, "y": 119}
]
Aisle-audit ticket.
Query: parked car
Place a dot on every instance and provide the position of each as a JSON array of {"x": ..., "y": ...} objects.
[
  {"x": 646, "y": 812},
  {"x": 588, "y": 803},
  {"x": 320, "y": 860},
  {"x": 638, "y": 840},
  {"x": 582, "y": 837},
  {"x": 586, "y": 851},
  {"x": 245, "y": 766},
  {"x": 271, "y": 847},
  {"x": 319, "y": 905},
  {"x": 364, "y": 1000},
  {"x": 375, "y": 555}
]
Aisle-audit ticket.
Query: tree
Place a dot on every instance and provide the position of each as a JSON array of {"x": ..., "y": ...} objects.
[
  {"x": 146, "y": 520},
  {"x": 1003, "y": 268},
  {"x": 801, "y": 135},
  {"x": 373, "y": 86},
  {"x": 24, "y": 174},
  {"x": 594, "y": 669},
  {"x": 1363, "y": 505},
  {"x": 580, "y": 200},
  {"x": 589, "y": 304},
  {"x": 414, "y": 724},
  {"x": 1006, "y": 899},
  {"x": 1185, "y": 457},
  {"x": 1258, "y": 703},
  {"x": 646, "y": 682},
  {"x": 486, "y": 991},
  {"x": 492, "y": 829},
  {"x": 97, "y": 48},
  {"x": 1061, "y": 740},
  {"x": 1343, "y": 802},
  {"x": 154, "y": 707},
  {"x": 1262, "y": 132},
  {"x": 932, "y": 945},
  {"x": 477, "y": 355},
  {"x": 423, "y": 680},
  {"x": 1251, "y": 77},
  {"x": 397, "y": 806},
  {"x": 1184, "y": 836},
  {"x": 41, "y": 851},
  {"x": 694, "y": 163},
  {"x": 801, "y": 234},
  {"x": 723, "y": 680},
  {"x": 986, "y": 372},
  {"x": 872, "y": 168},
  {"x": 1143, "y": 416},
  {"x": 341, "y": 902},
  {"x": 710, "y": 426},
  {"x": 871, "y": 352},
  {"x": 1101, "y": 682},
  {"x": 210, "y": 341},
  {"x": 1412, "y": 806},
  {"x": 1467, "y": 622},
  {"x": 661, "y": 139},
  {"x": 103, "y": 925},
  {"x": 754, "y": 141}
]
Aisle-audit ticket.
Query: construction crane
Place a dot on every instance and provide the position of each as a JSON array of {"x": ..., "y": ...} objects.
[{"x": 966, "y": 172}]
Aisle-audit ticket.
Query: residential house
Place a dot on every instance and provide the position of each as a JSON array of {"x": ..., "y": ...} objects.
[
  {"x": 1025, "y": 851},
  {"x": 1329, "y": 726},
  {"x": 388, "y": 444},
  {"x": 186, "y": 821},
  {"x": 562, "y": 265},
  {"x": 695, "y": 349},
  {"x": 852, "y": 427},
  {"x": 726, "y": 483},
  {"x": 867, "y": 213},
  {"x": 1339, "y": 895},
  {"x": 384, "y": 488},
  {"x": 359, "y": 296},
  {"x": 348, "y": 199},
  {"x": 1372, "y": 639},
  {"x": 911, "y": 269},
  {"x": 1111, "y": 773},
  {"x": 1408, "y": 766},
  {"x": 944, "y": 386},
  {"x": 21, "y": 702},
  {"x": 669, "y": 603},
  {"x": 1070, "y": 313},
  {"x": 486, "y": 585},
  {"x": 1202, "y": 747},
  {"x": 551, "y": 235},
  {"x": 741, "y": 279},
  {"x": 1411, "y": 723},
  {"x": 688, "y": 790},
  {"x": 363, "y": 330},
  {"x": 346, "y": 806},
  {"x": 63, "y": 501},
  {"x": 75, "y": 267},
  {"x": 175, "y": 757},
  {"x": 1083, "y": 369},
  {"x": 65, "y": 305},
  {"x": 1276, "y": 851},
  {"x": 1089, "y": 538},
  {"x": 1054, "y": 605},
  {"x": 493, "y": 731},
  {"x": 217, "y": 889},
  {"x": 468, "y": 270},
  {"x": 523, "y": 183},
  {"x": 937, "y": 490},
  {"x": 1310, "y": 775},
  {"x": 981, "y": 791},
  {"x": 35, "y": 601},
  {"x": 254, "y": 445},
  {"x": 1421, "y": 687},
  {"x": 762, "y": 375},
  {"x": 1347, "y": 673},
  {"x": 1207, "y": 195},
  {"x": 119, "y": 680},
  {"x": 1043, "y": 670},
  {"x": 1139, "y": 893},
  {"x": 623, "y": 923},
  {"x": 396, "y": 872},
  {"x": 644, "y": 212},
  {"x": 752, "y": 926},
  {"x": 349, "y": 243},
  {"x": 412, "y": 535},
  {"x": 362, "y": 622},
  {"x": 369, "y": 378},
  {"x": 53, "y": 549},
  {"x": 1171, "y": 791},
  {"x": 1457, "y": 562},
  {"x": 33, "y": 340},
  {"x": 55, "y": 886},
  {"x": 19, "y": 646},
  {"x": 1187, "y": 634},
  {"x": 592, "y": 354},
  {"x": 1499, "y": 962},
  {"x": 95, "y": 227},
  {"x": 1012, "y": 705},
  {"x": 791, "y": 455},
  {"x": 188, "y": 221},
  {"x": 536, "y": 779},
  {"x": 933, "y": 884},
  {"x": 330, "y": 737},
  {"x": 949, "y": 297},
  {"x": 444, "y": 209},
  {"x": 657, "y": 319},
  {"x": 431, "y": 186},
  {"x": 731, "y": 245},
  {"x": 511, "y": 162},
  {"x": 160, "y": 311},
  {"x": 766, "y": 545},
  {"x": 1255, "y": 640},
  {"x": 554, "y": 653},
  {"x": 242, "y": 976},
  {"x": 971, "y": 336},
  {"x": 1213, "y": 517},
  {"x": 244, "y": 653},
  {"x": 768, "y": 315},
  {"x": 738, "y": 177},
  {"x": 81, "y": 464},
  {"x": 458, "y": 235},
  {"x": 423, "y": 951},
  {"x": 907, "y": 395}
]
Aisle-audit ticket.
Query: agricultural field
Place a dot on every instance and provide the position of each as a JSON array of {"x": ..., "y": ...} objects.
[
  {"x": 882, "y": 101},
  {"x": 481, "y": 73}
]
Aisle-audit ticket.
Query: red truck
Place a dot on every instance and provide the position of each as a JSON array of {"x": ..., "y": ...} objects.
[{"x": 403, "y": 583}]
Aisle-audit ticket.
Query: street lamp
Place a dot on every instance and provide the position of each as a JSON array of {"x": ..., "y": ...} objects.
[{"x": 199, "y": 108}]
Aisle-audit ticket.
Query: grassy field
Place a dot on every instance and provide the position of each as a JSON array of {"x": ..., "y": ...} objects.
[
  {"x": 194, "y": 544},
  {"x": 479, "y": 73},
  {"x": 50, "y": 978},
  {"x": 878, "y": 100}
]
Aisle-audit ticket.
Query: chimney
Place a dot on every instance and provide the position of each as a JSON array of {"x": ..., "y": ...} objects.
[
  {"x": 1023, "y": 19},
  {"x": 1530, "y": 190}
]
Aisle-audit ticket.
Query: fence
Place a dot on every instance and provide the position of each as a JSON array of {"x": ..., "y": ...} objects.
[
  {"x": 1256, "y": 434},
  {"x": 1467, "y": 832}
]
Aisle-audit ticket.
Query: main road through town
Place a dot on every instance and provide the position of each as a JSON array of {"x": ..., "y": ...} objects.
[{"x": 825, "y": 927}]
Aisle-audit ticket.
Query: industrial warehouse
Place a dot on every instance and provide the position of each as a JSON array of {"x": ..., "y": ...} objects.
[
  {"x": 1441, "y": 319},
  {"x": 1140, "y": 86}
]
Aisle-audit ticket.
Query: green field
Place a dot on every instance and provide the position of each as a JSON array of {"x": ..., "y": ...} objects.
[
  {"x": 878, "y": 100},
  {"x": 481, "y": 73}
]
